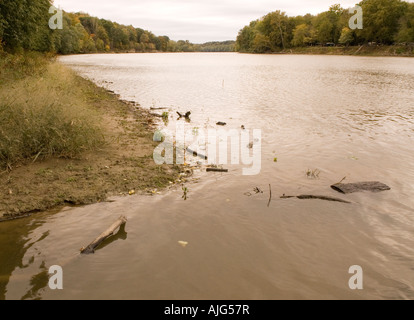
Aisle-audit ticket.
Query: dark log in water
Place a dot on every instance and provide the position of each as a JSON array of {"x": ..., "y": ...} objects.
[
  {"x": 196, "y": 154},
  {"x": 105, "y": 235},
  {"x": 346, "y": 188},
  {"x": 187, "y": 115},
  {"x": 312, "y": 197},
  {"x": 217, "y": 170}
]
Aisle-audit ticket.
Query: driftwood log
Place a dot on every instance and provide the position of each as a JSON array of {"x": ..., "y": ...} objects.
[
  {"x": 90, "y": 249},
  {"x": 312, "y": 197},
  {"x": 347, "y": 188},
  {"x": 217, "y": 170},
  {"x": 187, "y": 115},
  {"x": 196, "y": 154},
  {"x": 221, "y": 124}
]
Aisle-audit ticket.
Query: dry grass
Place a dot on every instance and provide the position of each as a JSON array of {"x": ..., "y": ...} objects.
[{"x": 40, "y": 114}]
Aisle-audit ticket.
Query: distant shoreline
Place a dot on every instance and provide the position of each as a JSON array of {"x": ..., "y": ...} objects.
[{"x": 363, "y": 51}]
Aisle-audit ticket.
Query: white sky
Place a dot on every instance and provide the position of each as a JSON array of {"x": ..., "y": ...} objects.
[{"x": 195, "y": 20}]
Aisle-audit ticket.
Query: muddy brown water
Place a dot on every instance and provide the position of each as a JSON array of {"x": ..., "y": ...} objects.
[{"x": 345, "y": 116}]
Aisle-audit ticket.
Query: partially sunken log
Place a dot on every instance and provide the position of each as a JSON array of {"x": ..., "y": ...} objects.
[
  {"x": 361, "y": 186},
  {"x": 217, "y": 170},
  {"x": 105, "y": 235},
  {"x": 187, "y": 115},
  {"x": 312, "y": 197},
  {"x": 196, "y": 154}
]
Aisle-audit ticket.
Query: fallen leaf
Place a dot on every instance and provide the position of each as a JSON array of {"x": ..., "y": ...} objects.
[{"x": 183, "y": 243}]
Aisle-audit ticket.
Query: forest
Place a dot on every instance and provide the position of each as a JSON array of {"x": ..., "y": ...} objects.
[
  {"x": 24, "y": 25},
  {"x": 385, "y": 22}
]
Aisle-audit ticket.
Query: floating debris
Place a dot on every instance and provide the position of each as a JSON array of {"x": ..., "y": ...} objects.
[
  {"x": 187, "y": 115},
  {"x": 312, "y": 197},
  {"x": 196, "y": 154},
  {"x": 90, "y": 249},
  {"x": 372, "y": 186},
  {"x": 183, "y": 243},
  {"x": 313, "y": 174},
  {"x": 217, "y": 170},
  {"x": 257, "y": 190}
]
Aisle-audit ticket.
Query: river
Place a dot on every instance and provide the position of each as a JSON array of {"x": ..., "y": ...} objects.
[{"x": 347, "y": 117}]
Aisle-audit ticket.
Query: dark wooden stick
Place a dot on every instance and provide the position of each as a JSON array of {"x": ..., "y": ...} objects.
[
  {"x": 270, "y": 198},
  {"x": 196, "y": 154},
  {"x": 312, "y": 197},
  {"x": 217, "y": 170},
  {"x": 105, "y": 235}
]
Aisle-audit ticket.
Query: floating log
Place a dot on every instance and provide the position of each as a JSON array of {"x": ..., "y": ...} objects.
[
  {"x": 312, "y": 197},
  {"x": 217, "y": 170},
  {"x": 346, "y": 188},
  {"x": 187, "y": 115},
  {"x": 270, "y": 196},
  {"x": 196, "y": 154},
  {"x": 90, "y": 249}
]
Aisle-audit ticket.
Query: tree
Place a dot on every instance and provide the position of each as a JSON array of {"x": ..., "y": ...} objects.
[
  {"x": 274, "y": 27},
  {"x": 324, "y": 29},
  {"x": 303, "y": 35},
  {"x": 144, "y": 38},
  {"x": 347, "y": 36},
  {"x": 164, "y": 40},
  {"x": 406, "y": 26},
  {"x": 381, "y": 20},
  {"x": 120, "y": 38},
  {"x": 261, "y": 43},
  {"x": 245, "y": 38},
  {"x": 24, "y": 23}
]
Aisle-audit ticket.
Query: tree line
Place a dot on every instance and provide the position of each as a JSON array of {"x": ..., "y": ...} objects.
[
  {"x": 384, "y": 22},
  {"x": 24, "y": 24}
]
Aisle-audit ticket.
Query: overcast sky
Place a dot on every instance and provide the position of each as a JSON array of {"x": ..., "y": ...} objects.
[{"x": 195, "y": 20}]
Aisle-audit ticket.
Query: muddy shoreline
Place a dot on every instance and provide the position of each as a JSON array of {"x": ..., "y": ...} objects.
[{"x": 122, "y": 167}]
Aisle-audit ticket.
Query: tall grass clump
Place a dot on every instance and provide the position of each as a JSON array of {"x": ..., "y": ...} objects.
[
  {"x": 44, "y": 114},
  {"x": 18, "y": 66}
]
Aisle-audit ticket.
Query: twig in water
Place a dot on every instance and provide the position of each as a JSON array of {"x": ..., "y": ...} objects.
[
  {"x": 342, "y": 180},
  {"x": 313, "y": 174},
  {"x": 270, "y": 197},
  {"x": 185, "y": 193}
]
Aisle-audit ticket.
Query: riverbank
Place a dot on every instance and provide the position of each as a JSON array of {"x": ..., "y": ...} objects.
[
  {"x": 369, "y": 51},
  {"x": 113, "y": 159}
]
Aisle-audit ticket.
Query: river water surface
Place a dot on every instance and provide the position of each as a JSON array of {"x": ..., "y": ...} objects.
[{"x": 347, "y": 117}]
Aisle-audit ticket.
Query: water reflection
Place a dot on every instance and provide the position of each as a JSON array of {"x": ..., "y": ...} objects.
[{"x": 16, "y": 238}]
